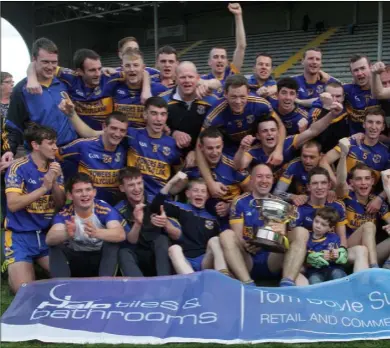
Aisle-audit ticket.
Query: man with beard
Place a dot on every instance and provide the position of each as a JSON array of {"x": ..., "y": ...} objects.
[
  {"x": 186, "y": 108},
  {"x": 34, "y": 190},
  {"x": 126, "y": 91},
  {"x": 146, "y": 249},
  {"x": 101, "y": 157},
  {"x": 249, "y": 262},
  {"x": 85, "y": 234},
  {"x": 361, "y": 226},
  {"x": 297, "y": 172},
  {"x": 318, "y": 188},
  {"x": 261, "y": 82},
  {"x": 218, "y": 62},
  {"x": 313, "y": 80},
  {"x": 358, "y": 96}
]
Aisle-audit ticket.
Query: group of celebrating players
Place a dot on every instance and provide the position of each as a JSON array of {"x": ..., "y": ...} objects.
[{"x": 161, "y": 167}]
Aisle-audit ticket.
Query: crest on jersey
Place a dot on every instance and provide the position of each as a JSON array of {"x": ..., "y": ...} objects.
[
  {"x": 376, "y": 158},
  {"x": 250, "y": 119},
  {"x": 166, "y": 151},
  {"x": 97, "y": 90},
  {"x": 209, "y": 224},
  {"x": 320, "y": 89},
  {"x": 201, "y": 109},
  {"x": 117, "y": 157}
]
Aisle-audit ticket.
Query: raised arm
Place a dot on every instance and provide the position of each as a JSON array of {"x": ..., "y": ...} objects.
[
  {"x": 377, "y": 89},
  {"x": 239, "y": 53},
  {"x": 242, "y": 159},
  {"x": 342, "y": 186},
  {"x": 83, "y": 130}
]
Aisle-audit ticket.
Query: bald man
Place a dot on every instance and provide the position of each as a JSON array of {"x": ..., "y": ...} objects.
[{"x": 188, "y": 104}]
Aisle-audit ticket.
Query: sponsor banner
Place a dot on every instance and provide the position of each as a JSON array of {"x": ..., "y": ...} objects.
[{"x": 202, "y": 307}]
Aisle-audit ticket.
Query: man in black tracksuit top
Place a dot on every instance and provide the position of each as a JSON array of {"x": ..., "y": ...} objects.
[{"x": 195, "y": 231}]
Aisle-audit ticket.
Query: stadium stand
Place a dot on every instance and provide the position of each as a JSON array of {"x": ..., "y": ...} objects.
[{"x": 282, "y": 45}]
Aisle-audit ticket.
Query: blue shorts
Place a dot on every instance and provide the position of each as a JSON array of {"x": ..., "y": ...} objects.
[
  {"x": 24, "y": 247},
  {"x": 196, "y": 262},
  {"x": 260, "y": 266}
]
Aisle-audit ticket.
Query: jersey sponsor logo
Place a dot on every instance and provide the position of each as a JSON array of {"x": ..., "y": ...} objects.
[
  {"x": 134, "y": 113},
  {"x": 148, "y": 166},
  {"x": 99, "y": 107},
  {"x": 43, "y": 205},
  {"x": 103, "y": 178}
]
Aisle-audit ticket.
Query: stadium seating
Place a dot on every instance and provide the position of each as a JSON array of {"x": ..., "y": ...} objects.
[{"x": 282, "y": 45}]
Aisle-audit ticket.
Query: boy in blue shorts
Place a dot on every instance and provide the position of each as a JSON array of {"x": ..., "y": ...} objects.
[
  {"x": 325, "y": 255},
  {"x": 34, "y": 189}
]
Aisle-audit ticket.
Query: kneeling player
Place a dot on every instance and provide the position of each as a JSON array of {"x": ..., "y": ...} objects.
[
  {"x": 196, "y": 236},
  {"x": 84, "y": 239}
]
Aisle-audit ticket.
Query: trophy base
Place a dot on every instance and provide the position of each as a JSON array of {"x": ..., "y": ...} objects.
[{"x": 269, "y": 245}]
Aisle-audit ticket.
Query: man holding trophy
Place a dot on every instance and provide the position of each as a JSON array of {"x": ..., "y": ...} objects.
[{"x": 259, "y": 243}]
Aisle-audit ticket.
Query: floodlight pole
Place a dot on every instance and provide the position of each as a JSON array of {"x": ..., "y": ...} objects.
[
  {"x": 380, "y": 29},
  {"x": 155, "y": 7}
]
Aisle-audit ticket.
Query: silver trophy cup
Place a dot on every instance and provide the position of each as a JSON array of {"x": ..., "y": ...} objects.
[{"x": 272, "y": 211}]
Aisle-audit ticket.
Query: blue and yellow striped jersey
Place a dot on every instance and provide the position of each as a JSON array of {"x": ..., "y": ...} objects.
[
  {"x": 311, "y": 90},
  {"x": 24, "y": 177},
  {"x": 100, "y": 164},
  {"x": 128, "y": 101},
  {"x": 236, "y": 126},
  {"x": 376, "y": 157},
  {"x": 291, "y": 119},
  {"x": 306, "y": 214},
  {"x": 358, "y": 102},
  {"x": 356, "y": 212},
  {"x": 296, "y": 173},
  {"x": 328, "y": 242},
  {"x": 92, "y": 104},
  {"x": 153, "y": 156}
]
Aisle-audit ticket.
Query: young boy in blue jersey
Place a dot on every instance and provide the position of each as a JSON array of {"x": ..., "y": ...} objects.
[
  {"x": 195, "y": 232},
  {"x": 218, "y": 62},
  {"x": 101, "y": 157},
  {"x": 34, "y": 190},
  {"x": 85, "y": 236},
  {"x": 325, "y": 255},
  {"x": 232, "y": 181}
]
